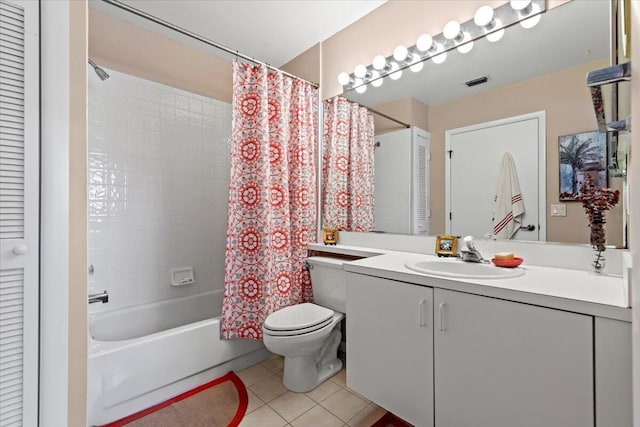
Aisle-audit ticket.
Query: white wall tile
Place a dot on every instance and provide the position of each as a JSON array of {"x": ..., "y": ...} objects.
[{"x": 158, "y": 189}]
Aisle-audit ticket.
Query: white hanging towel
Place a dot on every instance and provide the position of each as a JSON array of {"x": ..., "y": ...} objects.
[{"x": 508, "y": 207}]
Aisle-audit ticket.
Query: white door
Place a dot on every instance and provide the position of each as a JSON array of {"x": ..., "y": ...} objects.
[
  {"x": 19, "y": 196},
  {"x": 473, "y": 159}
]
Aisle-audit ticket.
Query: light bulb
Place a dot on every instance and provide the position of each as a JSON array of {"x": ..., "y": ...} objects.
[
  {"x": 520, "y": 4},
  {"x": 379, "y": 62},
  {"x": 439, "y": 56},
  {"x": 375, "y": 80},
  {"x": 496, "y": 35},
  {"x": 357, "y": 84},
  {"x": 531, "y": 22},
  {"x": 416, "y": 64},
  {"x": 361, "y": 89},
  {"x": 395, "y": 73},
  {"x": 451, "y": 30},
  {"x": 343, "y": 79},
  {"x": 400, "y": 53},
  {"x": 424, "y": 43},
  {"x": 483, "y": 16},
  {"x": 466, "y": 47},
  {"x": 360, "y": 71}
]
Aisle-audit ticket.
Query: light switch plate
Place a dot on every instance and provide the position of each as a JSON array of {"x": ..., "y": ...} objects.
[{"x": 559, "y": 210}]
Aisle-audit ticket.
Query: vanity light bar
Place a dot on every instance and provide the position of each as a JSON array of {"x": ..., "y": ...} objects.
[{"x": 525, "y": 12}]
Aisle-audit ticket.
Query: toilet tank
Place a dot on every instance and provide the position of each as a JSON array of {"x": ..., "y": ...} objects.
[{"x": 328, "y": 282}]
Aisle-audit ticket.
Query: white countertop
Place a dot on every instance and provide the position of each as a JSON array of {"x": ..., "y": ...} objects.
[{"x": 573, "y": 290}]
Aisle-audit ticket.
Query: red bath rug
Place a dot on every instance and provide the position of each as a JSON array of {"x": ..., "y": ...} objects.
[
  {"x": 390, "y": 420},
  {"x": 218, "y": 403}
]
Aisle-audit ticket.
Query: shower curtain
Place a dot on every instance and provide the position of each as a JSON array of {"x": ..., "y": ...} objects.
[
  {"x": 347, "y": 166},
  {"x": 272, "y": 202}
]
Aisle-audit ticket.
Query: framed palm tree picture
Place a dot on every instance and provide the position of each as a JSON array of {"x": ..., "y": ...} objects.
[{"x": 581, "y": 155}]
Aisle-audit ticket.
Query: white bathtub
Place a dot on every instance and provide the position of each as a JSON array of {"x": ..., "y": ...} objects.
[{"x": 143, "y": 355}]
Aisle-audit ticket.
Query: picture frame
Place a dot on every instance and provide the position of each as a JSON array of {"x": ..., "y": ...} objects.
[
  {"x": 446, "y": 245},
  {"x": 581, "y": 154},
  {"x": 330, "y": 236}
]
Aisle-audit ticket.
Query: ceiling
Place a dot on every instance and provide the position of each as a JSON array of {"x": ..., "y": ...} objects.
[{"x": 272, "y": 31}]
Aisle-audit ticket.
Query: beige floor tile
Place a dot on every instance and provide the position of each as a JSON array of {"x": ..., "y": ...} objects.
[
  {"x": 269, "y": 389},
  {"x": 344, "y": 404},
  {"x": 317, "y": 417},
  {"x": 274, "y": 364},
  {"x": 254, "y": 402},
  {"x": 323, "y": 391},
  {"x": 359, "y": 395},
  {"x": 367, "y": 416},
  {"x": 291, "y": 405},
  {"x": 340, "y": 378},
  {"x": 263, "y": 417},
  {"x": 254, "y": 374}
]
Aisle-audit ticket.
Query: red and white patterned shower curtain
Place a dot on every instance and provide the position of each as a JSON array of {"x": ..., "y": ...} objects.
[
  {"x": 272, "y": 204},
  {"x": 347, "y": 166}
]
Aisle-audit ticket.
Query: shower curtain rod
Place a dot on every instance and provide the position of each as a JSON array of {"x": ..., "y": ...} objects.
[
  {"x": 204, "y": 40},
  {"x": 386, "y": 117}
]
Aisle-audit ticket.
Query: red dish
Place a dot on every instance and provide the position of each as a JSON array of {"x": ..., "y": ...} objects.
[{"x": 507, "y": 263}]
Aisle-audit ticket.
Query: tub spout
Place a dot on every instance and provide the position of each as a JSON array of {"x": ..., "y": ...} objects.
[{"x": 103, "y": 297}]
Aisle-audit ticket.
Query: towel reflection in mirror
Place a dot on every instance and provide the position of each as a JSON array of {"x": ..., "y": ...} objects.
[
  {"x": 347, "y": 166},
  {"x": 508, "y": 206}
]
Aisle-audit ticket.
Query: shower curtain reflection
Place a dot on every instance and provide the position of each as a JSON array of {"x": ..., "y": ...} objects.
[{"x": 347, "y": 166}]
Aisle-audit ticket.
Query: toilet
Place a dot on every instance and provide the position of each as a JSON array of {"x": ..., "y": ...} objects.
[{"x": 308, "y": 335}]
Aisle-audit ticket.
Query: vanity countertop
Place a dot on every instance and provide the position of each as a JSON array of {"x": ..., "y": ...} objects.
[{"x": 565, "y": 289}]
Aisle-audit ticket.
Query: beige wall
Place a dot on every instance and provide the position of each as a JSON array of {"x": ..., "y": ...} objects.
[
  {"x": 77, "y": 363},
  {"x": 407, "y": 110},
  {"x": 307, "y": 65},
  {"x": 567, "y": 102},
  {"x": 127, "y": 48}
]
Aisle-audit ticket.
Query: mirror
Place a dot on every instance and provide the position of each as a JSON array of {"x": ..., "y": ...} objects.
[{"x": 528, "y": 70}]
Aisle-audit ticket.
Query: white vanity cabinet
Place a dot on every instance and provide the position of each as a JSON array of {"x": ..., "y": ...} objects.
[
  {"x": 502, "y": 364},
  {"x": 390, "y": 345}
]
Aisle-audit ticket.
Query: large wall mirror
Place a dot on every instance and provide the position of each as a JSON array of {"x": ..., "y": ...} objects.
[{"x": 541, "y": 69}]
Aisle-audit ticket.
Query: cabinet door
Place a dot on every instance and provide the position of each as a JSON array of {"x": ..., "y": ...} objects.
[
  {"x": 390, "y": 345},
  {"x": 505, "y": 364}
]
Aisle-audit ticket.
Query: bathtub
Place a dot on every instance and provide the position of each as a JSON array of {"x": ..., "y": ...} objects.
[{"x": 143, "y": 355}]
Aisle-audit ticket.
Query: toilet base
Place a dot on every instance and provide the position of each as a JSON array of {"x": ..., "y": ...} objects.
[{"x": 302, "y": 375}]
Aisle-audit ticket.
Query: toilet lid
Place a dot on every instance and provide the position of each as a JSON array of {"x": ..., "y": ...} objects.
[{"x": 296, "y": 317}]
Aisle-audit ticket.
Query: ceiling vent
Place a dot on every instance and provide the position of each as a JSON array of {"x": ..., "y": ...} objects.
[{"x": 477, "y": 81}]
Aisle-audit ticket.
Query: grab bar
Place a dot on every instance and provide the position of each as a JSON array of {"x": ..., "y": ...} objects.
[{"x": 103, "y": 297}]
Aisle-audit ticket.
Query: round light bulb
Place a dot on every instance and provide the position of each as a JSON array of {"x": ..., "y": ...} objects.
[
  {"x": 496, "y": 35},
  {"x": 400, "y": 53},
  {"x": 451, "y": 30},
  {"x": 416, "y": 64},
  {"x": 520, "y": 4},
  {"x": 375, "y": 80},
  {"x": 395, "y": 73},
  {"x": 440, "y": 56},
  {"x": 531, "y": 22},
  {"x": 379, "y": 62},
  {"x": 361, "y": 89},
  {"x": 424, "y": 43},
  {"x": 357, "y": 84},
  {"x": 360, "y": 71},
  {"x": 343, "y": 79},
  {"x": 465, "y": 48},
  {"x": 483, "y": 16}
]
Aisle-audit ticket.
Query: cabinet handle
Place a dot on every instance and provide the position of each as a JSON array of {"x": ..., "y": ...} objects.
[
  {"x": 421, "y": 310},
  {"x": 441, "y": 309}
]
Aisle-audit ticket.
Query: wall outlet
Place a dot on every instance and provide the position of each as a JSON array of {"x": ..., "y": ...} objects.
[{"x": 558, "y": 210}]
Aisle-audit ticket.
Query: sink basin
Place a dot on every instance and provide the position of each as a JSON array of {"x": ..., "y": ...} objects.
[{"x": 463, "y": 270}]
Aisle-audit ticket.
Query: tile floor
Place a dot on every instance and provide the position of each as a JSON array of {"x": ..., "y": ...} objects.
[{"x": 331, "y": 404}]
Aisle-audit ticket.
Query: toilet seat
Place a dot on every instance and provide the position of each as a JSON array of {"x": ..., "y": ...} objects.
[{"x": 298, "y": 319}]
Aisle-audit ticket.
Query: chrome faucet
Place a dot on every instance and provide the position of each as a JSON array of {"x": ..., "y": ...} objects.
[
  {"x": 103, "y": 297},
  {"x": 469, "y": 252}
]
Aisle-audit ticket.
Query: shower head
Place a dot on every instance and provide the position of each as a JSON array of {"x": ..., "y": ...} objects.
[{"x": 99, "y": 71}]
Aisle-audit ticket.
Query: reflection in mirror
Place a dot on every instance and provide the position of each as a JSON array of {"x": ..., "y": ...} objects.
[{"x": 527, "y": 71}]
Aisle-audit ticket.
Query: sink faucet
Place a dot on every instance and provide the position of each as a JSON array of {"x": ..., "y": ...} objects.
[{"x": 469, "y": 252}]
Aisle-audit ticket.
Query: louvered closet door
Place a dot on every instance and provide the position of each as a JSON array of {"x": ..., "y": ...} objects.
[{"x": 19, "y": 195}]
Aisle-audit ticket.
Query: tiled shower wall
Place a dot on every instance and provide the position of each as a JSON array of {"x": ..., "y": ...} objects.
[{"x": 158, "y": 189}]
